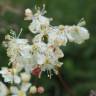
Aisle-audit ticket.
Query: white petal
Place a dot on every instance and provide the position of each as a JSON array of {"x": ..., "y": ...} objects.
[
  {"x": 77, "y": 34},
  {"x": 17, "y": 79},
  {"x": 14, "y": 90},
  {"x": 25, "y": 86},
  {"x": 3, "y": 89}
]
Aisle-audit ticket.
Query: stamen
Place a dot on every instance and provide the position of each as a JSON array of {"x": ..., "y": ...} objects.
[{"x": 20, "y": 33}]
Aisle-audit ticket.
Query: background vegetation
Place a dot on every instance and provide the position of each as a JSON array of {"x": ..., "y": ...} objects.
[{"x": 79, "y": 70}]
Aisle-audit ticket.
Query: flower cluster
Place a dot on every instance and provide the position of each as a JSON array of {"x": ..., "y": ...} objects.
[{"x": 42, "y": 55}]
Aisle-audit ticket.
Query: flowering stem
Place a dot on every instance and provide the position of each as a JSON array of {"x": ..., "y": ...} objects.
[{"x": 68, "y": 89}]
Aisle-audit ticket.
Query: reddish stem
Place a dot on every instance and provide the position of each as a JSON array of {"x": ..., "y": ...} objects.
[{"x": 65, "y": 85}]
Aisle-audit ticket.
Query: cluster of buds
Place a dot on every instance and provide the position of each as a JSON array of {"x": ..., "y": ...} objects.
[{"x": 42, "y": 55}]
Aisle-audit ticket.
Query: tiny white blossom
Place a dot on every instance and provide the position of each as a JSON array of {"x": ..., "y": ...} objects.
[
  {"x": 25, "y": 77},
  {"x": 13, "y": 90},
  {"x": 10, "y": 76},
  {"x": 57, "y": 36},
  {"x": 3, "y": 89},
  {"x": 76, "y": 34},
  {"x": 39, "y": 23},
  {"x": 46, "y": 56},
  {"x": 14, "y": 48},
  {"x": 21, "y": 91},
  {"x": 25, "y": 86}
]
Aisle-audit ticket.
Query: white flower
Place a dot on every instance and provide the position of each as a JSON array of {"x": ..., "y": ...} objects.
[
  {"x": 38, "y": 38},
  {"x": 20, "y": 55},
  {"x": 57, "y": 36},
  {"x": 16, "y": 91},
  {"x": 25, "y": 86},
  {"x": 18, "y": 66},
  {"x": 76, "y": 34},
  {"x": 46, "y": 56},
  {"x": 3, "y": 89},
  {"x": 9, "y": 75},
  {"x": 14, "y": 48},
  {"x": 58, "y": 52},
  {"x": 16, "y": 79},
  {"x": 13, "y": 90},
  {"x": 38, "y": 51},
  {"x": 25, "y": 51},
  {"x": 25, "y": 77},
  {"x": 6, "y": 74},
  {"x": 21, "y": 91},
  {"x": 39, "y": 23}
]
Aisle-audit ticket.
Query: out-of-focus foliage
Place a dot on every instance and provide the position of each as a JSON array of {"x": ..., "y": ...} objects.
[{"x": 79, "y": 69}]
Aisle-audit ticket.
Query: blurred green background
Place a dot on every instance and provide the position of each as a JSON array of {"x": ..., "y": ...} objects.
[{"x": 79, "y": 69}]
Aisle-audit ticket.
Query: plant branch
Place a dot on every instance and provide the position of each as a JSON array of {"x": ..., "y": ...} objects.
[{"x": 65, "y": 85}]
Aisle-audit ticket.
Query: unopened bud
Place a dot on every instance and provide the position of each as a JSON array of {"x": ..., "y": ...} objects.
[
  {"x": 40, "y": 89},
  {"x": 33, "y": 90},
  {"x": 28, "y": 12}
]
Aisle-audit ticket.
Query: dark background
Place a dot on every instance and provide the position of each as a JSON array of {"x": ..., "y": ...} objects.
[{"x": 79, "y": 70}]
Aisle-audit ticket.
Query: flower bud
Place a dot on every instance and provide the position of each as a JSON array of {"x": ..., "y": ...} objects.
[
  {"x": 21, "y": 93},
  {"x": 33, "y": 90},
  {"x": 7, "y": 37},
  {"x": 25, "y": 77},
  {"x": 28, "y": 12},
  {"x": 36, "y": 71},
  {"x": 40, "y": 89}
]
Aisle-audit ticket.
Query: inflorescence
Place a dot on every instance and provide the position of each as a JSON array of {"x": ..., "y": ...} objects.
[{"x": 42, "y": 55}]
